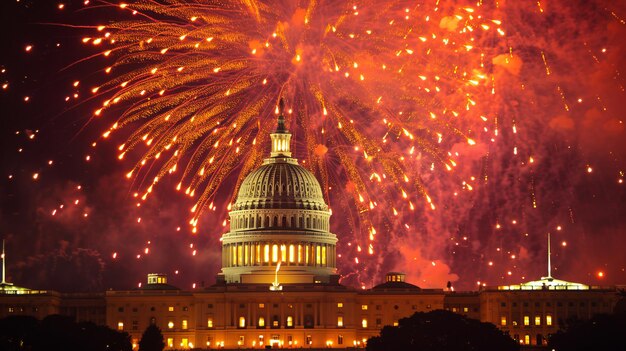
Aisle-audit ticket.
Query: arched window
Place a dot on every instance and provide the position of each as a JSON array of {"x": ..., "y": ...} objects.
[
  {"x": 289, "y": 322},
  {"x": 242, "y": 322},
  {"x": 275, "y": 221},
  {"x": 261, "y": 322},
  {"x": 301, "y": 222},
  {"x": 284, "y": 221}
]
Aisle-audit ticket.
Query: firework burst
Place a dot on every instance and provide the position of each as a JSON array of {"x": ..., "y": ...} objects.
[{"x": 377, "y": 93}]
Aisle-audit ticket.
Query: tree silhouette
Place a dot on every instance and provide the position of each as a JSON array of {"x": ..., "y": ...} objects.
[
  {"x": 602, "y": 332},
  {"x": 441, "y": 331},
  {"x": 152, "y": 339},
  {"x": 59, "y": 333}
]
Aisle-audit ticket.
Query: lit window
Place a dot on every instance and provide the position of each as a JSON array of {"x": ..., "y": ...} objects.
[
  {"x": 454, "y": 309},
  {"x": 526, "y": 320},
  {"x": 339, "y": 339},
  {"x": 548, "y": 320},
  {"x": 465, "y": 309},
  {"x": 261, "y": 305},
  {"x": 340, "y": 321},
  {"x": 289, "y": 321},
  {"x": 364, "y": 307},
  {"x": 283, "y": 253},
  {"x": 242, "y": 340},
  {"x": 170, "y": 342},
  {"x": 503, "y": 321},
  {"x": 274, "y": 253},
  {"x": 537, "y": 320},
  {"x": 261, "y": 322},
  {"x": 318, "y": 255},
  {"x": 209, "y": 323},
  {"x": 184, "y": 343},
  {"x": 242, "y": 322},
  {"x": 527, "y": 339},
  {"x": 292, "y": 253},
  {"x": 364, "y": 323},
  {"x": 170, "y": 324},
  {"x": 120, "y": 325},
  {"x": 339, "y": 304},
  {"x": 171, "y": 308},
  {"x": 184, "y": 324},
  {"x": 266, "y": 253}
]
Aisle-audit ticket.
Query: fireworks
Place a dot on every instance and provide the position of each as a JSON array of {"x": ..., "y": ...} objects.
[
  {"x": 376, "y": 93},
  {"x": 450, "y": 132}
]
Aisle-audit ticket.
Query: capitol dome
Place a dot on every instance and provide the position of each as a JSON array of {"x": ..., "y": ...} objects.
[{"x": 279, "y": 224}]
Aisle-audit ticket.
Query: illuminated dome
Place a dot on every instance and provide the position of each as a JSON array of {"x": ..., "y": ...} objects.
[
  {"x": 280, "y": 183},
  {"x": 279, "y": 224}
]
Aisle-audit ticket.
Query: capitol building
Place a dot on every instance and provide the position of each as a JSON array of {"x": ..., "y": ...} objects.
[{"x": 279, "y": 286}]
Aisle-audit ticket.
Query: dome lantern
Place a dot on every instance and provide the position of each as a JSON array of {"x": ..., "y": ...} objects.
[{"x": 281, "y": 138}]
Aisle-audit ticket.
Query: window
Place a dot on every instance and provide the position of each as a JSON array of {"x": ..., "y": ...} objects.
[
  {"x": 548, "y": 320},
  {"x": 119, "y": 309},
  {"x": 170, "y": 325},
  {"x": 11, "y": 309},
  {"x": 379, "y": 321},
  {"x": 465, "y": 309},
  {"x": 242, "y": 340},
  {"x": 170, "y": 308},
  {"x": 210, "y": 305},
  {"x": 502, "y": 304},
  {"x": 503, "y": 321},
  {"x": 340, "y": 321},
  {"x": 261, "y": 305},
  {"x": 527, "y": 339},
  {"x": 242, "y": 322},
  {"x": 339, "y": 304},
  {"x": 308, "y": 340},
  {"x": 526, "y": 320},
  {"x": 170, "y": 342},
  {"x": 377, "y": 307},
  {"x": 537, "y": 320},
  {"x": 152, "y": 309},
  {"x": 395, "y": 323},
  {"x": 364, "y": 323},
  {"x": 135, "y": 309},
  {"x": 184, "y": 343},
  {"x": 289, "y": 322},
  {"x": 209, "y": 323},
  {"x": 364, "y": 307},
  {"x": 185, "y": 308},
  {"x": 184, "y": 324},
  {"x": 339, "y": 339},
  {"x": 261, "y": 323},
  {"x": 120, "y": 325}
]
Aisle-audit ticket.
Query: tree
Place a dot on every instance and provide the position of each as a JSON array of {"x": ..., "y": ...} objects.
[
  {"x": 441, "y": 331},
  {"x": 152, "y": 339},
  {"x": 602, "y": 332}
]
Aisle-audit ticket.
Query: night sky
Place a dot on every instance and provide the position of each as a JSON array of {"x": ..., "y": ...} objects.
[{"x": 71, "y": 221}]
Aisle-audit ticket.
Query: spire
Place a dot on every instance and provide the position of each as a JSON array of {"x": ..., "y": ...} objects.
[
  {"x": 549, "y": 253},
  {"x": 281, "y": 138},
  {"x": 4, "y": 282},
  {"x": 281, "y": 118}
]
